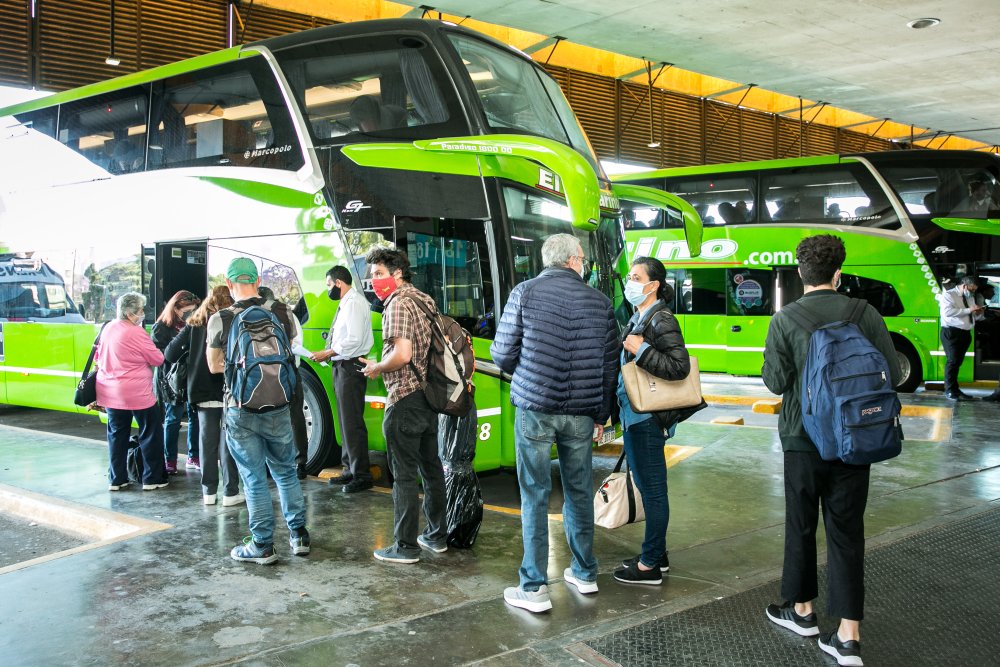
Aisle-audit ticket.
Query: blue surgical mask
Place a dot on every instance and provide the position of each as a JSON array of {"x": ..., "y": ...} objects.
[{"x": 634, "y": 292}]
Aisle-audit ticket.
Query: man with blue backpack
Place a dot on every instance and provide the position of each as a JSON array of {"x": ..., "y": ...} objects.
[
  {"x": 250, "y": 343},
  {"x": 832, "y": 360}
]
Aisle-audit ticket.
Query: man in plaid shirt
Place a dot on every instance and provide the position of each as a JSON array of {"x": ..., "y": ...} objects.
[{"x": 410, "y": 425}]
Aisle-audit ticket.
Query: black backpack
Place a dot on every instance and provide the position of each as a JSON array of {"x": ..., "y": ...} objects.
[
  {"x": 450, "y": 364},
  {"x": 176, "y": 379},
  {"x": 133, "y": 460}
]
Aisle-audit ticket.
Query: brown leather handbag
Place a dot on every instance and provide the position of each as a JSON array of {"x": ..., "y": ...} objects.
[{"x": 648, "y": 393}]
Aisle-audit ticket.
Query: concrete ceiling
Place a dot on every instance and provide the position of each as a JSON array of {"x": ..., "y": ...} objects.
[{"x": 854, "y": 54}]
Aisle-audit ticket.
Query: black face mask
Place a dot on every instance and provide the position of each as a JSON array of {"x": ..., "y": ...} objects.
[{"x": 334, "y": 293}]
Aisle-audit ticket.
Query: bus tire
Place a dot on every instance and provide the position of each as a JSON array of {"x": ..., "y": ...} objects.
[
  {"x": 909, "y": 363},
  {"x": 319, "y": 424}
]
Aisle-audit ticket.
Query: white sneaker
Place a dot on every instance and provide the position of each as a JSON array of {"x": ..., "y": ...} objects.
[
  {"x": 582, "y": 586},
  {"x": 229, "y": 501},
  {"x": 533, "y": 601},
  {"x": 210, "y": 500},
  {"x": 153, "y": 487}
]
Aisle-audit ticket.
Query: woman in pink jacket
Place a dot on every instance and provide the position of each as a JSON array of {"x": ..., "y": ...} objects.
[{"x": 125, "y": 359}]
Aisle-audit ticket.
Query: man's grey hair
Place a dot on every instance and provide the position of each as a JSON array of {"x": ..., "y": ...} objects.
[
  {"x": 558, "y": 248},
  {"x": 129, "y": 304},
  {"x": 968, "y": 281}
]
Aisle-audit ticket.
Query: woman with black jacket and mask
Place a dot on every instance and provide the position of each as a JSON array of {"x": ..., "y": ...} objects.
[
  {"x": 653, "y": 339},
  {"x": 165, "y": 329},
  {"x": 204, "y": 391}
]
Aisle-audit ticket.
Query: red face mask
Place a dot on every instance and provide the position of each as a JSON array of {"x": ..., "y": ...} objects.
[{"x": 383, "y": 287}]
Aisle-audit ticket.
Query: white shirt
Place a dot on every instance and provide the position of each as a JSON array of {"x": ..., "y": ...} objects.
[
  {"x": 955, "y": 312},
  {"x": 351, "y": 332}
]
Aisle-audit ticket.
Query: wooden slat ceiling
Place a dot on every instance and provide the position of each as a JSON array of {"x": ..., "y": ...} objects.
[
  {"x": 73, "y": 41},
  {"x": 15, "y": 52}
]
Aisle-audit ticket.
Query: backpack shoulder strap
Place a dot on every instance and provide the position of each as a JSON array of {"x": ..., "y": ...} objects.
[
  {"x": 801, "y": 316},
  {"x": 280, "y": 311},
  {"x": 856, "y": 310},
  {"x": 420, "y": 304}
]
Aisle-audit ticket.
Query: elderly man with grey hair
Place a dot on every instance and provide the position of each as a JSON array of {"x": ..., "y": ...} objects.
[
  {"x": 557, "y": 338},
  {"x": 125, "y": 359}
]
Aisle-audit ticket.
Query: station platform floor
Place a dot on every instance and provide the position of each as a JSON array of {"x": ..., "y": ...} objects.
[{"x": 162, "y": 590}]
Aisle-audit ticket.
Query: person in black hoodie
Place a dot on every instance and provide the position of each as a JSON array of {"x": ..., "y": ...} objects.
[
  {"x": 166, "y": 327},
  {"x": 205, "y": 392},
  {"x": 653, "y": 339}
]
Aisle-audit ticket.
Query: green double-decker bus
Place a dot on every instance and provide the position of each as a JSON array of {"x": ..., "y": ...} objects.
[
  {"x": 301, "y": 152},
  {"x": 912, "y": 221}
]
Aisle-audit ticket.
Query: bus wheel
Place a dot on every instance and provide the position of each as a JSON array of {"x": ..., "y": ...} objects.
[
  {"x": 319, "y": 424},
  {"x": 909, "y": 363}
]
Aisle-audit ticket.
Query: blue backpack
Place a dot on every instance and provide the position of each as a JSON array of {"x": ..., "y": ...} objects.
[
  {"x": 260, "y": 369},
  {"x": 849, "y": 407}
]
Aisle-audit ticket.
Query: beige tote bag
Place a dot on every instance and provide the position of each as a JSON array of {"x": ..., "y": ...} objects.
[
  {"x": 618, "y": 501},
  {"x": 648, "y": 393}
]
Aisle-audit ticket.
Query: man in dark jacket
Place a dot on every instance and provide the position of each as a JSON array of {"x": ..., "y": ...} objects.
[
  {"x": 809, "y": 479},
  {"x": 558, "y": 339}
]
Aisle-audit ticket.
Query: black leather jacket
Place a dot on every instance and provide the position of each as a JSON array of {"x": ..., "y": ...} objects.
[{"x": 666, "y": 358}]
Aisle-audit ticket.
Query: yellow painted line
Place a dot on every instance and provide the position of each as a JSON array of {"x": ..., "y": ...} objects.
[
  {"x": 512, "y": 511},
  {"x": 677, "y": 453},
  {"x": 721, "y": 399}
]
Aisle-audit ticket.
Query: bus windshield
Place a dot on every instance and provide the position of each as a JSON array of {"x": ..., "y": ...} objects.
[
  {"x": 519, "y": 97},
  {"x": 965, "y": 187}
]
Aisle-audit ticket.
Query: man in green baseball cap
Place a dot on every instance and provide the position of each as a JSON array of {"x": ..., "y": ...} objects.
[{"x": 242, "y": 270}]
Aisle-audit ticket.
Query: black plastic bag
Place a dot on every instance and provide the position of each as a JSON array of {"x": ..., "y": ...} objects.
[
  {"x": 133, "y": 460},
  {"x": 457, "y": 448}
]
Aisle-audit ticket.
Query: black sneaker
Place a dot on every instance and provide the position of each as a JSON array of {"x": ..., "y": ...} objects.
[
  {"x": 356, "y": 485},
  {"x": 340, "y": 479},
  {"x": 664, "y": 563},
  {"x": 846, "y": 653},
  {"x": 786, "y": 617},
  {"x": 633, "y": 575},
  {"x": 300, "y": 472}
]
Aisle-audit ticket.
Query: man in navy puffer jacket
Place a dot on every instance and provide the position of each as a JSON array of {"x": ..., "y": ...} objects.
[{"x": 557, "y": 337}]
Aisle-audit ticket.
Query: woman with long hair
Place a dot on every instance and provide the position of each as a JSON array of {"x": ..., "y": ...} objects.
[
  {"x": 165, "y": 329},
  {"x": 205, "y": 393},
  {"x": 653, "y": 339}
]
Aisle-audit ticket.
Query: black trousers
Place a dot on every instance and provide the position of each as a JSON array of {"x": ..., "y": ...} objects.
[
  {"x": 298, "y": 417},
  {"x": 349, "y": 386},
  {"x": 956, "y": 343},
  {"x": 843, "y": 491}
]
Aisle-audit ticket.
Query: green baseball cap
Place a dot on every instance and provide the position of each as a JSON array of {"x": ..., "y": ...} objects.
[{"x": 242, "y": 270}]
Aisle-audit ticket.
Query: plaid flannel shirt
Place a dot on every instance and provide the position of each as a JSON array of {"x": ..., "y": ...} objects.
[{"x": 403, "y": 319}]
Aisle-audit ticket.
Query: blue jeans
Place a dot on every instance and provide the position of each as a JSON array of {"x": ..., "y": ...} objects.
[
  {"x": 644, "y": 450},
  {"x": 172, "y": 427},
  {"x": 150, "y": 444},
  {"x": 534, "y": 433},
  {"x": 258, "y": 441}
]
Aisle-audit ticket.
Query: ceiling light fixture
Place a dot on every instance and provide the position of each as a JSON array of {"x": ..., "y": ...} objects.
[
  {"x": 112, "y": 59},
  {"x": 920, "y": 24}
]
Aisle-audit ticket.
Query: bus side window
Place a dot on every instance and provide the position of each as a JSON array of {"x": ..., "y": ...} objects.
[
  {"x": 881, "y": 295},
  {"x": 830, "y": 194},
  {"x": 450, "y": 261},
  {"x": 230, "y": 114},
  {"x": 719, "y": 200},
  {"x": 42, "y": 120},
  {"x": 109, "y": 130},
  {"x": 702, "y": 292}
]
